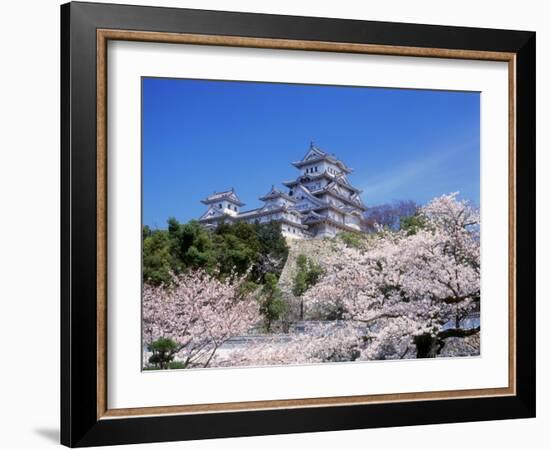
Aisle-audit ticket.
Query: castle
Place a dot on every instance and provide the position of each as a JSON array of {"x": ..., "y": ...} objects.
[{"x": 321, "y": 202}]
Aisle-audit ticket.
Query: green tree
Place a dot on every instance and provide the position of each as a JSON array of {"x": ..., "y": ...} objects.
[
  {"x": 271, "y": 240},
  {"x": 191, "y": 245},
  {"x": 273, "y": 250},
  {"x": 412, "y": 224},
  {"x": 272, "y": 305},
  {"x": 233, "y": 254},
  {"x": 238, "y": 247},
  {"x": 157, "y": 258},
  {"x": 308, "y": 273},
  {"x": 146, "y": 231}
]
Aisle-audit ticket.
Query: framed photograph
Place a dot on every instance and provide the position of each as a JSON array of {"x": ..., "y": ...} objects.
[{"x": 277, "y": 224}]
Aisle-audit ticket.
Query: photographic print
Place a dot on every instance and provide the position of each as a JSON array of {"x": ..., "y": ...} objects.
[
  {"x": 276, "y": 204},
  {"x": 307, "y": 224}
]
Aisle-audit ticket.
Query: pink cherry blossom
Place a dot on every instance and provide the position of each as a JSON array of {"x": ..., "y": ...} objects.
[
  {"x": 395, "y": 288},
  {"x": 403, "y": 285},
  {"x": 198, "y": 312}
]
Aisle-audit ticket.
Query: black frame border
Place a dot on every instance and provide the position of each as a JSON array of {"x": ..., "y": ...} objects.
[{"x": 79, "y": 423}]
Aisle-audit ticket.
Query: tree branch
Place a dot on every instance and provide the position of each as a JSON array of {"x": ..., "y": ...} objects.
[{"x": 457, "y": 332}]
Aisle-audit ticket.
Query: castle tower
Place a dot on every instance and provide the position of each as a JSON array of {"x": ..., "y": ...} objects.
[
  {"x": 329, "y": 202},
  {"x": 320, "y": 202},
  {"x": 223, "y": 205}
]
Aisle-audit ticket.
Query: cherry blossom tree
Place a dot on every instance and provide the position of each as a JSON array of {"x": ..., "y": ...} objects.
[
  {"x": 400, "y": 294},
  {"x": 333, "y": 341},
  {"x": 406, "y": 286},
  {"x": 199, "y": 313}
]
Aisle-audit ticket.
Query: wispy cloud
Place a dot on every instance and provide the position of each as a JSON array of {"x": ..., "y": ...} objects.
[{"x": 385, "y": 184}]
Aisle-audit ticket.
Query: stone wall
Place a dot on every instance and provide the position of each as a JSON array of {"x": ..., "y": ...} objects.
[{"x": 314, "y": 249}]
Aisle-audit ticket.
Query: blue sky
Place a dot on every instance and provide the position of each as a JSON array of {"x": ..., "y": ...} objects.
[{"x": 200, "y": 136}]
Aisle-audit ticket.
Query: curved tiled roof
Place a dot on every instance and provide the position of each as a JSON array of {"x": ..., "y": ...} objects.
[
  {"x": 315, "y": 154},
  {"x": 229, "y": 195},
  {"x": 276, "y": 193}
]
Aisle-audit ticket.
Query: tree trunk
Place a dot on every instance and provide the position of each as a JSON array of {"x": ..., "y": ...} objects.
[{"x": 427, "y": 346}]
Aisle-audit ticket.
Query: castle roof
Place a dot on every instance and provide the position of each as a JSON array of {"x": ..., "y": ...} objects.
[
  {"x": 229, "y": 195},
  {"x": 276, "y": 193},
  {"x": 213, "y": 213},
  {"x": 340, "y": 179},
  {"x": 312, "y": 216},
  {"x": 315, "y": 154},
  {"x": 258, "y": 212},
  {"x": 250, "y": 212},
  {"x": 334, "y": 223},
  {"x": 340, "y": 209},
  {"x": 305, "y": 192}
]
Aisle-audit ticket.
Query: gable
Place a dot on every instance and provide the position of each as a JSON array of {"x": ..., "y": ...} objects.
[
  {"x": 342, "y": 179},
  {"x": 270, "y": 205},
  {"x": 305, "y": 200},
  {"x": 313, "y": 153},
  {"x": 333, "y": 187},
  {"x": 211, "y": 213},
  {"x": 233, "y": 198}
]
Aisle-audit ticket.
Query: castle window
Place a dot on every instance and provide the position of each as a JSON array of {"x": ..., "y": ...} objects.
[
  {"x": 220, "y": 206},
  {"x": 315, "y": 168}
]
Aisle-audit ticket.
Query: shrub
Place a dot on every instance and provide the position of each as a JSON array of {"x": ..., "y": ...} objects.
[
  {"x": 164, "y": 351},
  {"x": 351, "y": 239}
]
